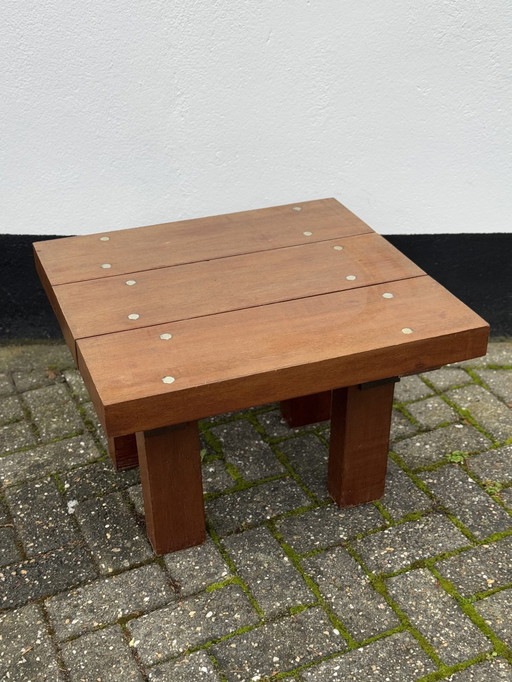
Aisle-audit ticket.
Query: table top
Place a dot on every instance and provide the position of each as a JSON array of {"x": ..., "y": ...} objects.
[{"x": 179, "y": 321}]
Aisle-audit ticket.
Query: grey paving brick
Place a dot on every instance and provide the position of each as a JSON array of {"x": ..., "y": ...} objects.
[
  {"x": 496, "y": 670},
  {"x": 489, "y": 412},
  {"x": 55, "y": 419},
  {"x": 395, "y": 548},
  {"x": 215, "y": 477},
  {"x": 76, "y": 385},
  {"x": 437, "y": 616},
  {"x": 236, "y": 510},
  {"x": 36, "y": 378},
  {"x": 191, "y": 622},
  {"x": 102, "y": 655},
  {"x": 428, "y": 448},
  {"x": 277, "y": 647},
  {"x": 244, "y": 448},
  {"x": 481, "y": 568},
  {"x": 496, "y": 610},
  {"x": 9, "y": 551},
  {"x": 493, "y": 465},
  {"x": 136, "y": 498},
  {"x": 10, "y": 410},
  {"x": 48, "y": 395},
  {"x": 105, "y": 601},
  {"x": 197, "y": 666},
  {"x": 89, "y": 481},
  {"x": 47, "y": 459},
  {"x": 499, "y": 381},
  {"x": 401, "y": 495},
  {"x": 50, "y": 574},
  {"x": 276, "y": 427},
  {"x": 112, "y": 532},
  {"x": 348, "y": 591},
  {"x": 308, "y": 457},
  {"x": 27, "y": 654},
  {"x": 15, "y": 437},
  {"x": 398, "y": 658},
  {"x": 498, "y": 353},
  {"x": 411, "y": 388},
  {"x": 6, "y": 385},
  {"x": 466, "y": 499},
  {"x": 401, "y": 427},
  {"x": 432, "y": 412},
  {"x": 41, "y": 516},
  {"x": 89, "y": 414},
  {"x": 506, "y": 497},
  {"x": 446, "y": 377},
  {"x": 195, "y": 568},
  {"x": 261, "y": 562},
  {"x": 328, "y": 525},
  {"x": 32, "y": 356}
]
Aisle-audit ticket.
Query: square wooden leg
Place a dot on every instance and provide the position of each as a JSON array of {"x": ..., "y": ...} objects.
[
  {"x": 123, "y": 451},
  {"x": 307, "y": 409},
  {"x": 358, "y": 452},
  {"x": 170, "y": 471}
]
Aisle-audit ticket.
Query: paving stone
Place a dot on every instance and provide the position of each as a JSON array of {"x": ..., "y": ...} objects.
[
  {"x": 90, "y": 415},
  {"x": 395, "y": 548},
  {"x": 102, "y": 655},
  {"x": 308, "y": 457},
  {"x": 506, "y": 497},
  {"x": 15, "y": 437},
  {"x": 489, "y": 412},
  {"x": 446, "y": 377},
  {"x": 277, "y": 647},
  {"x": 47, "y": 395},
  {"x": 432, "y": 412},
  {"x": 47, "y": 459},
  {"x": 493, "y": 465},
  {"x": 27, "y": 654},
  {"x": 50, "y": 574},
  {"x": 247, "y": 451},
  {"x": 36, "y": 378},
  {"x": 348, "y": 591},
  {"x": 10, "y": 410},
  {"x": 6, "y": 386},
  {"x": 89, "y": 481},
  {"x": 9, "y": 551},
  {"x": 499, "y": 381},
  {"x": 35, "y": 356},
  {"x": 215, "y": 477},
  {"x": 498, "y": 353},
  {"x": 191, "y": 622},
  {"x": 467, "y": 501},
  {"x": 57, "y": 419},
  {"x": 261, "y": 562},
  {"x": 197, "y": 666},
  {"x": 401, "y": 495},
  {"x": 241, "y": 509},
  {"x": 195, "y": 568},
  {"x": 328, "y": 525},
  {"x": 401, "y": 427},
  {"x": 481, "y": 568},
  {"x": 496, "y": 670},
  {"x": 398, "y": 658},
  {"x": 428, "y": 448},
  {"x": 41, "y": 516},
  {"x": 105, "y": 601},
  {"x": 112, "y": 533},
  {"x": 136, "y": 498},
  {"x": 76, "y": 384},
  {"x": 437, "y": 616},
  {"x": 496, "y": 612},
  {"x": 276, "y": 427},
  {"x": 411, "y": 388}
]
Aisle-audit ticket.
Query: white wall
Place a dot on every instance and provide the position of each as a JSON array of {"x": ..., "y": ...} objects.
[{"x": 130, "y": 112}]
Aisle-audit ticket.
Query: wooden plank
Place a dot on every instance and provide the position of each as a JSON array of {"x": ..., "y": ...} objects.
[
  {"x": 170, "y": 472},
  {"x": 359, "y": 441},
  {"x": 170, "y": 294},
  {"x": 123, "y": 452},
  {"x": 307, "y": 409},
  {"x": 274, "y": 352},
  {"x": 74, "y": 259}
]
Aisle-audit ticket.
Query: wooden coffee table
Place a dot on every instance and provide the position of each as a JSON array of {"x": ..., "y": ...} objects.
[{"x": 303, "y": 304}]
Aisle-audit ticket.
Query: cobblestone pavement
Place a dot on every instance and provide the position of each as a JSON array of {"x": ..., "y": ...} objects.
[{"x": 417, "y": 586}]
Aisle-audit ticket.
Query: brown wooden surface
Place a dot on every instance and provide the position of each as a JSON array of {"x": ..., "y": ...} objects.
[
  {"x": 164, "y": 295},
  {"x": 170, "y": 471},
  {"x": 307, "y": 409},
  {"x": 274, "y": 352},
  {"x": 76, "y": 259},
  {"x": 123, "y": 452},
  {"x": 358, "y": 450}
]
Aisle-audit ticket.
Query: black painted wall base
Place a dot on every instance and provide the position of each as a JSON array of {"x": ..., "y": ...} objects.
[{"x": 477, "y": 268}]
